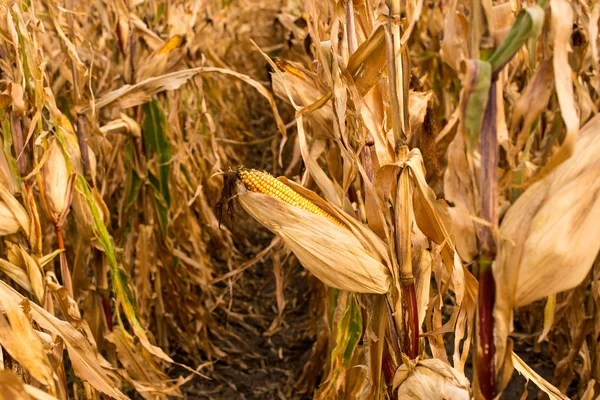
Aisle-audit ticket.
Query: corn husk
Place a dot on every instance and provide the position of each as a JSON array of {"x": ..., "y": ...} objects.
[
  {"x": 18, "y": 257},
  {"x": 300, "y": 87},
  {"x": 6, "y": 177},
  {"x": 332, "y": 253},
  {"x": 55, "y": 179},
  {"x": 550, "y": 237},
  {"x": 9, "y": 223},
  {"x": 430, "y": 379},
  {"x": 13, "y": 215},
  {"x": 83, "y": 215}
]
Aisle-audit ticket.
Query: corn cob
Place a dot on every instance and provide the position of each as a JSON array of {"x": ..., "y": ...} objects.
[
  {"x": 265, "y": 183},
  {"x": 285, "y": 66}
]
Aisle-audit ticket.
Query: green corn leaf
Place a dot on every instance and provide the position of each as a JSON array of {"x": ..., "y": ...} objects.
[
  {"x": 120, "y": 278},
  {"x": 134, "y": 182},
  {"x": 157, "y": 142},
  {"x": 477, "y": 86},
  {"x": 527, "y": 26},
  {"x": 346, "y": 327},
  {"x": 162, "y": 209},
  {"x": 353, "y": 329}
]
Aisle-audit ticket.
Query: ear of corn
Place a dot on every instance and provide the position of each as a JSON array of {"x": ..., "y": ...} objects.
[
  {"x": 332, "y": 253},
  {"x": 265, "y": 183}
]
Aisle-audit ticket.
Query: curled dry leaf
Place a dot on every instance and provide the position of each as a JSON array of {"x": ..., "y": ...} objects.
[
  {"x": 549, "y": 237},
  {"x": 545, "y": 386},
  {"x": 133, "y": 95},
  {"x": 12, "y": 214},
  {"x": 31, "y": 266},
  {"x": 18, "y": 99},
  {"x": 17, "y": 274},
  {"x": 431, "y": 214},
  {"x": 12, "y": 388},
  {"x": 459, "y": 188},
  {"x": 23, "y": 343},
  {"x": 8, "y": 222},
  {"x": 124, "y": 124},
  {"x": 333, "y": 253},
  {"x": 417, "y": 107},
  {"x": 430, "y": 379},
  {"x": 533, "y": 101},
  {"x": 454, "y": 45},
  {"x": 6, "y": 176},
  {"x": 562, "y": 25},
  {"x": 142, "y": 373}
]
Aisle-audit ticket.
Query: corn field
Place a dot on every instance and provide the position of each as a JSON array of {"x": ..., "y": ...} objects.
[{"x": 337, "y": 199}]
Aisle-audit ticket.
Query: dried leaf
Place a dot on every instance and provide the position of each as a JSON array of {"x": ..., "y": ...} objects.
[
  {"x": 87, "y": 363},
  {"x": 562, "y": 25},
  {"x": 22, "y": 342},
  {"x": 430, "y": 379},
  {"x": 549, "y": 239},
  {"x": 545, "y": 386}
]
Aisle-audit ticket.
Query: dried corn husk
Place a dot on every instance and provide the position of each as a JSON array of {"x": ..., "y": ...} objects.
[
  {"x": 55, "y": 178},
  {"x": 8, "y": 222},
  {"x": 83, "y": 215},
  {"x": 12, "y": 214},
  {"x": 550, "y": 236},
  {"x": 430, "y": 379},
  {"x": 332, "y": 253},
  {"x": 18, "y": 257},
  {"x": 6, "y": 177}
]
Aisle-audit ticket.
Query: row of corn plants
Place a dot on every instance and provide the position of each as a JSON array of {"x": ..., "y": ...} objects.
[
  {"x": 504, "y": 100},
  {"x": 442, "y": 182}
]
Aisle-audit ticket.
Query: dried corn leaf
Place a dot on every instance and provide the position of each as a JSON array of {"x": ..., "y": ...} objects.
[
  {"x": 13, "y": 214},
  {"x": 16, "y": 273},
  {"x": 550, "y": 235},
  {"x": 431, "y": 214},
  {"x": 529, "y": 374},
  {"x": 6, "y": 177},
  {"x": 562, "y": 25},
  {"x": 133, "y": 95},
  {"x": 12, "y": 388},
  {"x": 23, "y": 343},
  {"x": 87, "y": 363},
  {"x": 454, "y": 44},
  {"x": 144, "y": 374},
  {"x": 302, "y": 88},
  {"x": 8, "y": 223},
  {"x": 533, "y": 101},
  {"x": 19, "y": 257}
]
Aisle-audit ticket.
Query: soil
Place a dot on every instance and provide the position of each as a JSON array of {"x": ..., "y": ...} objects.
[{"x": 271, "y": 365}]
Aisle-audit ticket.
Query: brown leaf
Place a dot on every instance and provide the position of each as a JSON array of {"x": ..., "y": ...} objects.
[
  {"x": 22, "y": 342},
  {"x": 562, "y": 25},
  {"x": 87, "y": 363},
  {"x": 549, "y": 236}
]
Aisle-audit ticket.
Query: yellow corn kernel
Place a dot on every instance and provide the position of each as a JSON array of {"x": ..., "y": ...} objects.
[
  {"x": 265, "y": 183},
  {"x": 172, "y": 44},
  {"x": 285, "y": 66}
]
